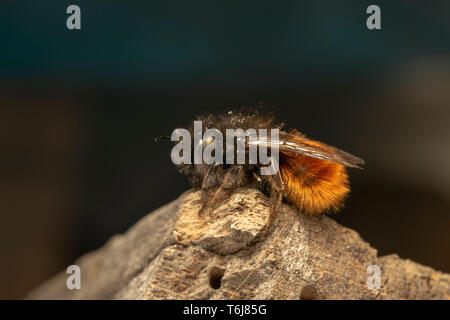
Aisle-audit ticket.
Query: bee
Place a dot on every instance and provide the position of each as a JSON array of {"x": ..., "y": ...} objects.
[{"x": 311, "y": 174}]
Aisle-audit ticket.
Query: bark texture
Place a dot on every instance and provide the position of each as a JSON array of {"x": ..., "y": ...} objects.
[{"x": 173, "y": 253}]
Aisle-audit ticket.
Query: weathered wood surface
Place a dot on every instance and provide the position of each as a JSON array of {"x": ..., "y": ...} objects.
[{"x": 174, "y": 254}]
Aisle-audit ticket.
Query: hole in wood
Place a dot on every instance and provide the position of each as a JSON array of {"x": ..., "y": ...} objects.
[
  {"x": 215, "y": 277},
  {"x": 309, "y": 292}
]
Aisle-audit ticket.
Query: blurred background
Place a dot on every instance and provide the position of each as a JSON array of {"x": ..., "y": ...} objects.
[{"x": 79, "y": 110}]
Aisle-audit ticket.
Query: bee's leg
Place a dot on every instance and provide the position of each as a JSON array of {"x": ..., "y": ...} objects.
[
  {"x": 209, "y": 183},
  {"x": 210, "y": 202},
  {"x": 275, "y": 199},
  {"x": 218, "y": 198},
  {"x": 229, "y": 182},
  {"x": 276, "y": 196},
  {"x": 233, "y": 178},
  {"x": 210, "y": 199},
  {"x": 205, "y": 206}
]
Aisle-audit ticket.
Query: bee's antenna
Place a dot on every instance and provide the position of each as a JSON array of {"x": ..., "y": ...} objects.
[{"x": 157, "y": 139}]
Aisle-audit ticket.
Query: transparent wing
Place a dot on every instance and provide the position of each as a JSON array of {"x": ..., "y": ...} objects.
[{"x": 314, "y": 149}]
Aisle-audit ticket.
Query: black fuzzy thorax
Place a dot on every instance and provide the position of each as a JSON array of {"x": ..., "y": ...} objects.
[{"x": 219, "y": 180}]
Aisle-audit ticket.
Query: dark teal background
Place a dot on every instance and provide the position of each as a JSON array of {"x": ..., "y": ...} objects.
[
  {"x": 178, "y": 43},
  {"x": 79, "y": 110}
]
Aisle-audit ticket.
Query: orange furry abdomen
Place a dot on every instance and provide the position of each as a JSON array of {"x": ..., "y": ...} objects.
[{"x": 313, "y": 185}]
